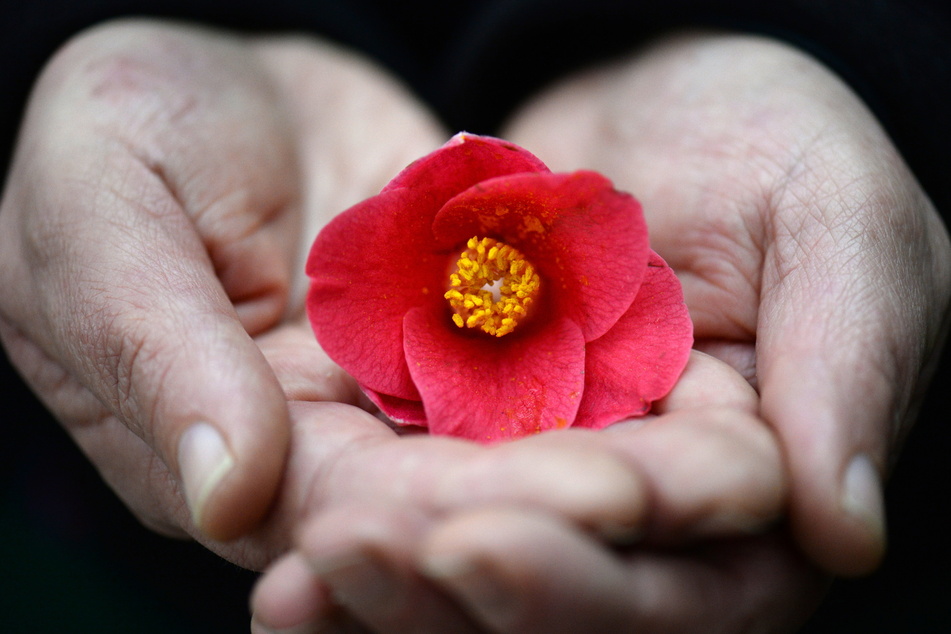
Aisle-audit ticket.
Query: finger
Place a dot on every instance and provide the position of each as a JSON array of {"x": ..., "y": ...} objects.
[
  {"x": 499, "y": 564},
  {"x": 691, "y": 473},
  {"x": 582, "y": 481},
  {"x": 848, "y": 318},
  {"x": 133, "y": 300},
  {"x": 342, "y": 456},
  {"x": 304, "y": 370},
  {"x": 289, "y": 598},
  {"x": 711, "y": 465},
  {"x": 365, "y": 556},
  {"x": 709, "y": 382},
  {"x": 708, "y": 465},
  {"x": 710, "y": 471},
  {"x": 559, "y": 472}
]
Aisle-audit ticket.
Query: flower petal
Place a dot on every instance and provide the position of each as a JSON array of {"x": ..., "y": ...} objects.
[
  {"x": 466, "y": 159},
  {"x": 640, "y": 359},
  {"x": 489, "y": 389},
  {"x": 398, "y": 410},
  {"x": 369, "y": 266},
  {"x": 377, "y": 259},
  {"x": 588, "y": 240}
]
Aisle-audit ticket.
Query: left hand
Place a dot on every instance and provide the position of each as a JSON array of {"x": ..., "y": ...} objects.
[{"x": 812, "y": 261}]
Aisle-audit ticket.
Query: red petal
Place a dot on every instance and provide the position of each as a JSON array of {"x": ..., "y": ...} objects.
[
  {"x": 489, "y": 389},
  {"x": 465, "y": 160},
  {"x": 588, "y": 240},
  {"x": 376, "y": 260},
  {"x": 640, "y": 359},
  {"x": 399, "y": 410},
  {"x": 368, "y": 267}
]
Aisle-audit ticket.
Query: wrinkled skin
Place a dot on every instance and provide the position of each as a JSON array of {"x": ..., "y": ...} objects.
[
  {"x": 152, "y": 230},
  {"x": 811, "y": 259}
]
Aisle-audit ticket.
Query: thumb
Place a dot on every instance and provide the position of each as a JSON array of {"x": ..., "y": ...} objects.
[
  {"x": 196, "y": 388},
  {"x": 846, "y": 327},
  {"x": 141, "y": 319},
  {"x": 153, "y": 186},
  {"x": 225, "y": 418},
  {"x": 184, "y": 402}
]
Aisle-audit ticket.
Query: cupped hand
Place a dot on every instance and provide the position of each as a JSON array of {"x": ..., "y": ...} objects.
[
  {"x": 812, "y": 263},
  {"x": 811, "y": 259},
  {"x": 164, "y": 190}
]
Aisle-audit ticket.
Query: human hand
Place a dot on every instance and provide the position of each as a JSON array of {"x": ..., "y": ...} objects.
[
  {"x": 700, "y": 554},
  {"x": 811, "y": 259},
  {"x": 166, "y": 184}
]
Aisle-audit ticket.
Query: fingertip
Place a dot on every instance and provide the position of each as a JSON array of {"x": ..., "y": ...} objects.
[
  {"x": 706, "y": 381},
  {"x": 834, "y": 436},
  {"x": 862, "y": 498},
  {"x": 712, "y": 472},
  {"x": 851, "y": 540},
  {"x": 864, "y": 505},
  {"x": 289, "y": 598},
  {"x": 230, "y": 472},
  {"x": 240, "y": 490}
]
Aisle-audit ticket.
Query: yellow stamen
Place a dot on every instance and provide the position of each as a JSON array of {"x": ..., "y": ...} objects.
[{"x": 484, "y": 263}]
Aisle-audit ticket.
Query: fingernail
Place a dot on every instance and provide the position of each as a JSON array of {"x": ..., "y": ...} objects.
[
  {"x": 204, "y": 461},
  {"x": 862, "y": 495},
  {"x": 481, "y": 589},
  {"x": 358, "y": 580}
]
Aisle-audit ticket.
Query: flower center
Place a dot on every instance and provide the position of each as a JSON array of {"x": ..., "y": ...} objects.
[{"x": 476, "y": 298}]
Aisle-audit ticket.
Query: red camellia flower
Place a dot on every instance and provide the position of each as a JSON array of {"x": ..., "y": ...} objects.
[{"x": 480, "y": 295}]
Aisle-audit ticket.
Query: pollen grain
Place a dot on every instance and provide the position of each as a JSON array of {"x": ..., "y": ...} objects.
[{"x": 476, "y": 298}]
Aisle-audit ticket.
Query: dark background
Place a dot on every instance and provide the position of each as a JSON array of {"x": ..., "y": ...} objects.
[{"x": 72, "y": 559}]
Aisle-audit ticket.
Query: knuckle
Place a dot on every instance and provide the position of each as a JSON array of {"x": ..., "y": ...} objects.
[{"x": 123, "y": 77}]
